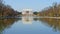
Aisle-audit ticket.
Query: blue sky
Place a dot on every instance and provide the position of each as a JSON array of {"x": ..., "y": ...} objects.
[{"x": 31, "y": 4}]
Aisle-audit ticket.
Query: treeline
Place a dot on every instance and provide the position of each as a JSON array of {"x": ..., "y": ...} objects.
[
  {"x": 7, "y": 10},
  {"x": 52, "y": 11}
]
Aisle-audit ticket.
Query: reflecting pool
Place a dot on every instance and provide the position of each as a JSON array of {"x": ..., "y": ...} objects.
[{"x": 30, "y": 25}]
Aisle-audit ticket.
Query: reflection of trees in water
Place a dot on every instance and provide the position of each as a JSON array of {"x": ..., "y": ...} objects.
[
  {"x": 55, "y": 23},
  {"x": 35, "y": 19},
  {"x": 6, "y": 23}
]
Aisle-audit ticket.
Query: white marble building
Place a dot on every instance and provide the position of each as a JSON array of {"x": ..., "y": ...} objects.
[{"x": 27, "y": 12}]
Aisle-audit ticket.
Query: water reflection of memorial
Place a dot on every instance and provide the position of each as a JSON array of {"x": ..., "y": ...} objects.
[{"x": 27, "y": 20}]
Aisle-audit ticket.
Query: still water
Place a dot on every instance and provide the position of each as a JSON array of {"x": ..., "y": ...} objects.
[{"x": 30, "y": 25}]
